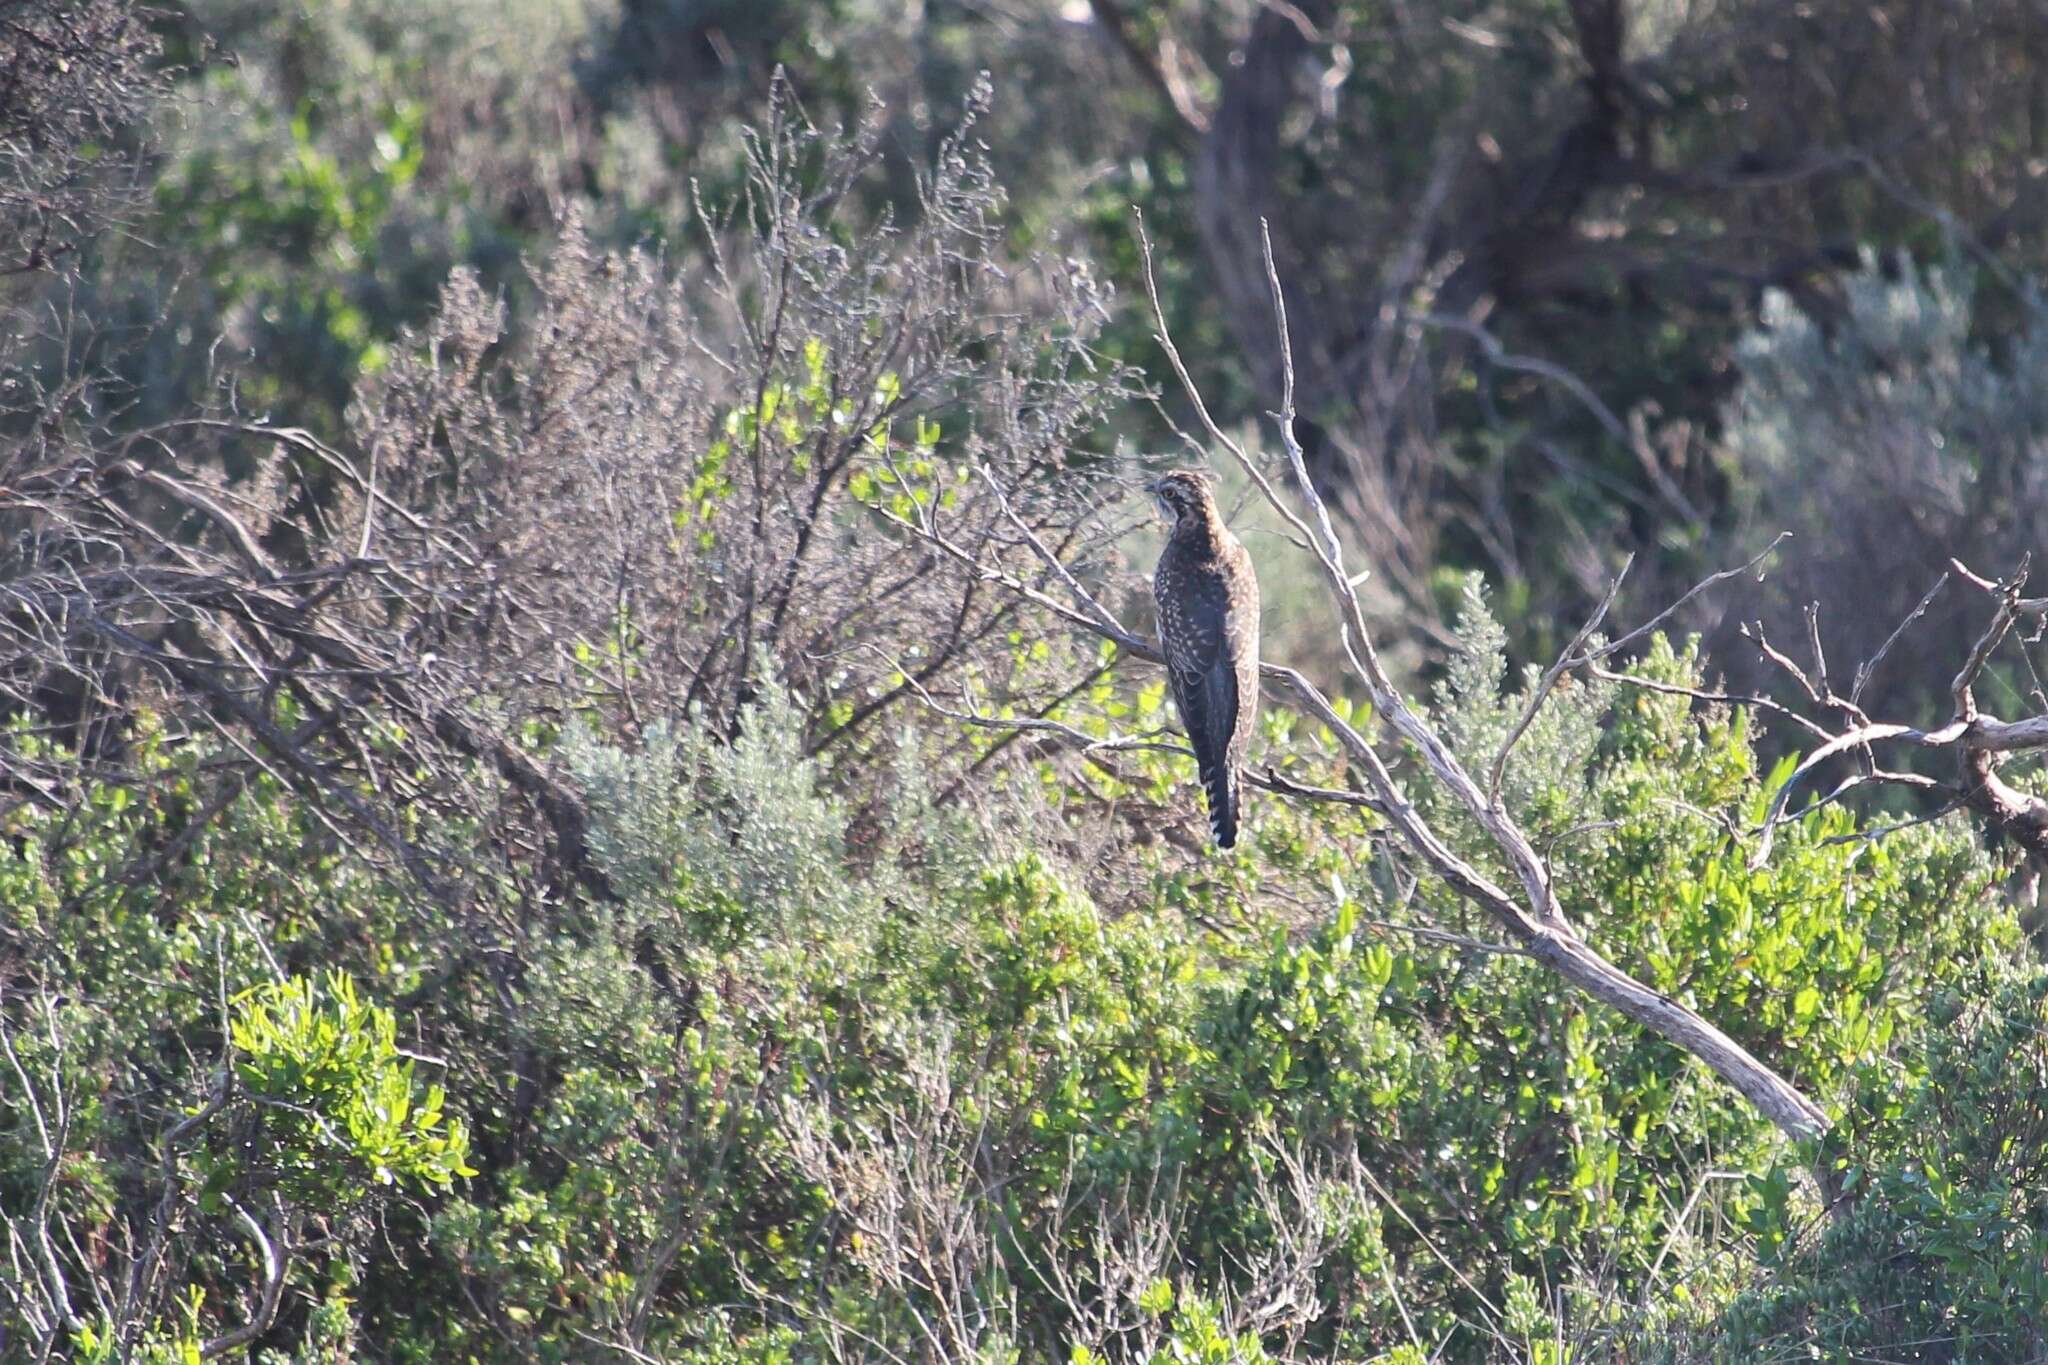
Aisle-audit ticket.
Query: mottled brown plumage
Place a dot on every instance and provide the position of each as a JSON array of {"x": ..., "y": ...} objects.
[{"x": 1209, "y": 631}]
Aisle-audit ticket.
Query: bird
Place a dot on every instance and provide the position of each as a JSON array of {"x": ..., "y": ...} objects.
[{"x": 1208, "y": 601}]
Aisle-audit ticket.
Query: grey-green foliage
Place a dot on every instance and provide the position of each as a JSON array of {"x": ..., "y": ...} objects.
[
  {"x": 1887, "y": 439},
  {"x": 746, "y": 820},
  {"x": 1476, "y": 711},
  {"x": 1895, "y": 393}
]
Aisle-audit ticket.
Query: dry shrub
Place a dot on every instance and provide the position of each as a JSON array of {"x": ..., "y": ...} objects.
[
  {"x": 659, "y": 477},
  {"x": 78, "y": 72},
  {"x": 628, "y": 505}
]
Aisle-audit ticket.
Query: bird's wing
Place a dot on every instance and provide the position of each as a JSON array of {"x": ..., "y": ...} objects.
[{"x": 1201, "y": 667}]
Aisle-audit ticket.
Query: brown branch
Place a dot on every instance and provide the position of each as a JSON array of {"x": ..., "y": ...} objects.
[{"x": 1271, "y": 780}]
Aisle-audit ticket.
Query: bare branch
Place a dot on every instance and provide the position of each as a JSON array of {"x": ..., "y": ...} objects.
[
  {"x": 1854, "y": 739},
  {"x": 1081, "y": 739},
  {"x": 1974, "y": 738},
  {"x": 1962, "y": 688},
  {"x": 276, "y": 1253},
  {"x": 1749, "y": 699},
  {"x": 1271, "y": 780},
  {"x": 1745, "y": 570},
  {"x": 1540, "y": 693}
]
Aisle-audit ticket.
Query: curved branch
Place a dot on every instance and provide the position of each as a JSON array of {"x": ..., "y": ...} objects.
[{"x": 276, "y": 1253}]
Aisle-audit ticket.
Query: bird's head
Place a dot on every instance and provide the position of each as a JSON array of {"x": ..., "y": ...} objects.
[{"x": 1182, "y": 493}]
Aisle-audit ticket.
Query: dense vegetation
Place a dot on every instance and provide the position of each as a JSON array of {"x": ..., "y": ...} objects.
[{"x": 579, "y": 774}]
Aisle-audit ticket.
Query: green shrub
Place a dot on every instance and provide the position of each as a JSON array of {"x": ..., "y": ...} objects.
[{"x": 1941, "y": 1253}]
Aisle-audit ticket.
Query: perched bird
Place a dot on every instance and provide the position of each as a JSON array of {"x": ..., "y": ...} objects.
[{"x": 1209, "y": 632}]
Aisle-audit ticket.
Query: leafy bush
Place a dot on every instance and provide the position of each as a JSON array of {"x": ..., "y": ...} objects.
[
  {"x": 611, "y": 719},
  {"x": 796, "y": 1092},
  {"x": 153, "y": 1029},
  {"x": 957, "y": 1115},
  {"x": 1942, "y": 1251}
]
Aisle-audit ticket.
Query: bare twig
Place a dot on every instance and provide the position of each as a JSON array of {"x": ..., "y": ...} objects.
[
  {"x": 1973, "y": 737},
  {"x": 1869, "y": 666},
  {"x": 1567, "y": 658}
]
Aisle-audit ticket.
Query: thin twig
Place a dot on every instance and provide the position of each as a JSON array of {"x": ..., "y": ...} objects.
[
  {"x": 1868, "y": 667},
  {"x": 1538, "y": 694}
]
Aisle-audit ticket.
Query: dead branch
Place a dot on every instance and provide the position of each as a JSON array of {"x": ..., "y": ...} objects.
[{"x": 1974, "y": 739}]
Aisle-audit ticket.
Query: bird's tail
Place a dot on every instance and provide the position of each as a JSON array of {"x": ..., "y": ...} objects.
[{"x": 1220, "y": 785}]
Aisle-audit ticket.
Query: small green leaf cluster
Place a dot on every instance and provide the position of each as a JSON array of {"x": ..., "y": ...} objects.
[{"x": 335, "y": 1099}]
